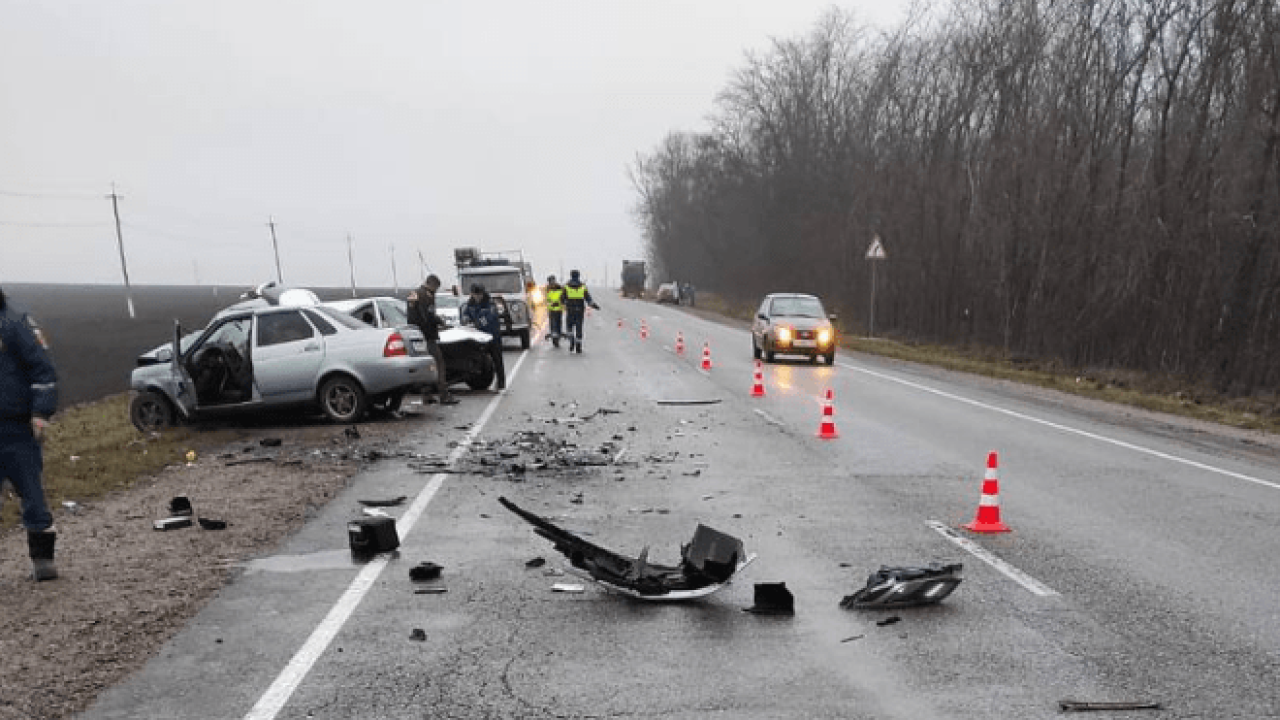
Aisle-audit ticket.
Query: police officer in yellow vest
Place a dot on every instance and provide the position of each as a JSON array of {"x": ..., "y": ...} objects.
[
  {"x": 576, "y": 300},
  {"x": 555, "y": 308}
]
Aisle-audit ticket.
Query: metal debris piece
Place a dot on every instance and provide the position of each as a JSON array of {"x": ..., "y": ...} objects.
[
  {"x": 1081, "y": 706},
  {"x": 567, "y": 588},
  {"x": 386, "y": 502},
  {"x": 212, "y": 524},
  {"x": 891, "y": 587},
  {"x": 707, "y": 563},
  {"x": 708, "y": 401}
]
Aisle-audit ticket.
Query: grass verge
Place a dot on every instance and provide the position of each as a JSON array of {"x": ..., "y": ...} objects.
[
  {"x": 1159, "y": 393},
  {"x": 93, "y": 449}
]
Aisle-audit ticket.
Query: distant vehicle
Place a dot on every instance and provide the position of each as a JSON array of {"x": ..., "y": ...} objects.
[
  {"x": 793, "y": 324},
  {"x": 466, "y": 355},
  {"x": 507, "y": 281},
  {"x": 257, "y": 356},
  {"x": 633, "y": 278},
  {"x": 449, "y": 307},
  {"x": 669, "y": 293}
]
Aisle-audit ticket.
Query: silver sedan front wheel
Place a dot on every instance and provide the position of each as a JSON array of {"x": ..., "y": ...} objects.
[{"x": 342, "y": 399}]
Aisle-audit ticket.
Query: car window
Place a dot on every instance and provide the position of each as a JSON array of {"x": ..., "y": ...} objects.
[
  {"x": 337, "y": 317},
  {"x": 234, "y": 333},
  {"x": 448, "y": 301},
  {"x": 365, "y": 314},
  {"x": 324, "y": 326},
  {"x": 798, "y": 307},
  {"x": 393, "y": 315},
  {"x": 277, "y": 328}
]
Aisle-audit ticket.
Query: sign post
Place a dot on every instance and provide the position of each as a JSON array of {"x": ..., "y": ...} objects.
[{"x": 875, "y": 252}]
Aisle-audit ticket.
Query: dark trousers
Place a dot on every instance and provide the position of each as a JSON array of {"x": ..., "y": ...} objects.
[
  {"x": 442, "y": 385},
  {"x": 21, "y": 463},
  {"x": 499, "y": 370},
  {"x": 574, "y": 317},
  {"x": 555, "y": 317}
]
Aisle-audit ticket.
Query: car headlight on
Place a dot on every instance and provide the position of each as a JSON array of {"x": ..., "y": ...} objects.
[
  {"x": 824, "y": 336},
  {"x": 535, "y": 296},
  {"x": 782, "y": 334}
]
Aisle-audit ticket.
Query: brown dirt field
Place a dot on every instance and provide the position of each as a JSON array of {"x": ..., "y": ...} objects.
[{"x": 124, "y": 588}]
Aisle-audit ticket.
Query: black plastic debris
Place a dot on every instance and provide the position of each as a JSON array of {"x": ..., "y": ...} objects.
[
  {"x": 352, "y": 433},
  {"x": 418, "y": 635},
  {"x": 888, "y": 621},
  {"x": 425, "y": 571},
  {"x": 773, "y": 599},
  {"x": 211, "y": 524},
  {"x": 172, "y": 523},
  {"x": 384, "y": 502},
  {"x": 1082, "y": 706},
  {"x": 536, "y": 562},
  {"x": 371, "y": 535},
  {"x": 903, "y": 586},
  {"x": 707, "y": 562},
  {"x": 434, "y": 590},
  {"x": 271, "y": 442},
  {"x": 180, "y": 506}
]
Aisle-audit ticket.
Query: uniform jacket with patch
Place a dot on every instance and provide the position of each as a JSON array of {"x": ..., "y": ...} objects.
[{"x": 28, "y": 382}]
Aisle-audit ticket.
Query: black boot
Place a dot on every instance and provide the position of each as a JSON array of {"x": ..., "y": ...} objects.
[{"x": 40, "y": 545}]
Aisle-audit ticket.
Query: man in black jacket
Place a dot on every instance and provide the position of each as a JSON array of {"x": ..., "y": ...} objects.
[
  {"x": 422, "y": 312},
  {"x": 28, "y": 398}
]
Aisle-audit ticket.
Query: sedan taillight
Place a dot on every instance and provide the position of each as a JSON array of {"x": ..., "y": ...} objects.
[{"x": 395, "y": 346}]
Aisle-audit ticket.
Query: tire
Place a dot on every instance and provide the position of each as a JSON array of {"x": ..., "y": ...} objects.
[
  {"x": 342, "y": 399},
  {"x": 831, "y": 359},
  {"x": 149, "y": 411},
  {"x": 524, "y": 339},
  {"x": 813, "y": 359},
  {"x": 755, "y": 349},
  {"x": 481, "y": 380},
  {"x": 768, "y": 356}
]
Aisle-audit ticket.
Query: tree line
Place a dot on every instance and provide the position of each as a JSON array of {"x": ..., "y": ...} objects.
[{"x": 1094, "y": 181}]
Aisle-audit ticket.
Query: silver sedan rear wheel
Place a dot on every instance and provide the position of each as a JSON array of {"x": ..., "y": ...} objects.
[
  {"x": 342, "y": 399},
  {"x": 150, "y": 412}
]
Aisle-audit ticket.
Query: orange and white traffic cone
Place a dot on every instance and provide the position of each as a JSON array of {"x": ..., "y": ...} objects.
[
  {"x": 706, "y": 356},
  {"x": 680, "y": 343},
  {"x": 827, "y": 430},
  {"x": 644, "y": 330},
  {"x": 757, "y": 388},
  {"x": 988, "y": 518}
]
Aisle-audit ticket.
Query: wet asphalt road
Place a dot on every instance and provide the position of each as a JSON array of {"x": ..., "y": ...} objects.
[{"x": 1142, "y": 563}]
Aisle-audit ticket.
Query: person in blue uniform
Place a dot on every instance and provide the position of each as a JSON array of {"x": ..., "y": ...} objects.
[
  {"x": 480, "y": 312},
  {"x": 28, "y": 398}
]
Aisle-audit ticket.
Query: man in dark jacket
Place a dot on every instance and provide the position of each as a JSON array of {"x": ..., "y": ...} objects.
[
  {"x": 481, "y": 313},
  {"x": 28, "y": 398},
  {"x": 422, "y": 312},
  {"x": 576, "y": 300}
]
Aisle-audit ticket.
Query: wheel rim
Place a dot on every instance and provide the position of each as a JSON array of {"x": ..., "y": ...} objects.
[
  {"x": 341, "y": 399},
  {"x": 150, "y": 414}
]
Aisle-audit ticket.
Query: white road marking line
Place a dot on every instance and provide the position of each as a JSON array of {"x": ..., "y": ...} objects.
[
  {"x": 1033, "y": 585},
  {"x": 767, "y": 417},
  {"x": 1068, "y": 428},
  {"x": 276, "y": 696}
]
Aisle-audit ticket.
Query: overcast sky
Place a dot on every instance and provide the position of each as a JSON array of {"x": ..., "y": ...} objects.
[{"x": 415, "y": 124}]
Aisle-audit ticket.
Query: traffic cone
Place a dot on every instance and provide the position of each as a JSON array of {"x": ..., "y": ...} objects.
[
  {"x": 988, "y": 518},
  {"x": 619, "y": 323},
  {"x": 680, "y": 343},
  {"x": 757, "y": 389},
  {"x": 644, "y": 330},
  {"x": 827, "y": 430},
  {"x": 706, "y": 356}
]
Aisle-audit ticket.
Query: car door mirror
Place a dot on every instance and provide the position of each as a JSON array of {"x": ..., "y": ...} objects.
[
  {"x": 762, "y": 316},
  {"x": 832, "y": 317}
]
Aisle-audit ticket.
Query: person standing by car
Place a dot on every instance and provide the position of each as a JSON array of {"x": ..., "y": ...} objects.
[
  {"x": 555, "y": 308},
  {"x": 422, "y": 312},
  {"x": 480, "y": 312},
  {"x": 28, "y": 398},
  {"x": 576, "y": 300}
]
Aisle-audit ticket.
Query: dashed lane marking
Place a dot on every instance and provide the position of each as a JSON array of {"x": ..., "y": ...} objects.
[
  {"x": 276, "y": 696},
  {"x": 1033, "y": 585}
]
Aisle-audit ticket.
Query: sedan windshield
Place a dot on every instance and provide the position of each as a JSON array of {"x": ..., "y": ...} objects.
[{"x": 798, "y": 307}]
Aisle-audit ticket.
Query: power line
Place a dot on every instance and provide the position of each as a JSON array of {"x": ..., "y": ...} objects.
[{"x": 19, "y": 223}]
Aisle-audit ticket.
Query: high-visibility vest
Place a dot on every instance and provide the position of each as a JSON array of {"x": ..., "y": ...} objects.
[
  {"x": 575, "y": 293},
  {"x": 553, "y": 299}
]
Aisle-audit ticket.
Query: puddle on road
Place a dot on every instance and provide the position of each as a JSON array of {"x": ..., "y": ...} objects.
[{"x": 323, "y": 560}]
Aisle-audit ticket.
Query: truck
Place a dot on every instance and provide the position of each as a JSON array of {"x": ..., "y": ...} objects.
[
  {"x": 633, "y": 278},
  {"x": 507, "y": 277}
]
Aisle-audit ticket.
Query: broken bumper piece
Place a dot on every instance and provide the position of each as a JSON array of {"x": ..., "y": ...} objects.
[
  {"x": 707, "y": 563},
  {"x": 892, "y": 587}
]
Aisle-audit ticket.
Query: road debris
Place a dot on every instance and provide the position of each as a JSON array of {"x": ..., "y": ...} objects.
[
  {"x": 180, "y": 505},
  {"x": 418, "y": 635},
  {"x": 386, "y": 502},
  {"x": 1082, "y": 706},
  {"x": 536, "y": 562},
  {"x": 212, "y": 524},
  {"x": 851, "y": 638},
  {"x": 568, "y": 588},
  {"x": 708, "y": 401},
  {"x": 172, "y": 523},
  {"x": 426, "y": 570},
  {"x": 434, "y": 590},
  {"x": 371, "y": 535},
  {"x": 903, "y": 586},
  {"x": 773, "y": 599},
  {"x": 707, "y": 563},
  {"x": 888, "y": 621}
]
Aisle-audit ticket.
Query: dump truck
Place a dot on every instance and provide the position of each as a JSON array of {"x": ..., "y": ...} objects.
[
  {"x": 633, "y": 278},
  {"x": 507, "y": 277}
]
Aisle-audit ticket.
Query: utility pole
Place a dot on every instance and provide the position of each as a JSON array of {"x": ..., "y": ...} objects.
[
  {"x": 351, "y": 261},
  {"x": 275, "y": 246},
  {"x": 395, "y": 283},
  {"x": 422, "y": 266},
  {"x": 124, "y": 267}
]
